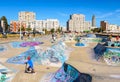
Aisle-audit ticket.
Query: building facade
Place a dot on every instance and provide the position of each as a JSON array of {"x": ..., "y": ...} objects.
[
  {"x": 104, "y": 25},
  {"x": 93, "y": 21},
  {"x": 77, "y": 23},
  {"x": 28, "y": 19},
  {"x": 16, "y": 25},
  {"x": 52, "y": 23},
  {"x": 109, "y": 28},
  {"x": 26, "y": 16}
]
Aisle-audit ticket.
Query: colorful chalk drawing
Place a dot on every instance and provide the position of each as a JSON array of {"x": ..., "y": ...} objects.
[{"x": 66, "y": 73}]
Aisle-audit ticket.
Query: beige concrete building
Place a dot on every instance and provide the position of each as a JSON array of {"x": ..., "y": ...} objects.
[
  {"x": 16, "y": 25},
  {"x": 77, "y": 23},
  {"x": 29, "y": 18},
  {"x": 26, "y": 16},
  {"x": 52, "y": 23},
  {"x": 113, "y": 28}
]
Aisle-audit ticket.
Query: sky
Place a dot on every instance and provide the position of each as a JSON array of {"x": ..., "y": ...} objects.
[{"x": 108, "y": 10}]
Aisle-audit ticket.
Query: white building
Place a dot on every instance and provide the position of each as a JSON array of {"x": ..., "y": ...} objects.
[
  {"x": 26, "y": 16},
  {"x": 29, "y": 18},
  {"x": 113, "y": 28},
  {"x": 77, "y": 23},
  {"x": 87, "y": 25},
  {"x": 52, "y": 23}
]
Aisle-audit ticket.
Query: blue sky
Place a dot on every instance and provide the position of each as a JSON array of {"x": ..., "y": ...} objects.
[{"x": 108, "y": 10}]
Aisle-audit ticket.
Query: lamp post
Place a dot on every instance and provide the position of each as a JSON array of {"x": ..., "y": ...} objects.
[{"x": 20, "y": 32}]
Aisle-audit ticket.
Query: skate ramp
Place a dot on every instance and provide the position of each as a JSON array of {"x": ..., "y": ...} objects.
[
  {"x": 55, "y": 54},
  {"x": 67, "y": 73},
  {"x": 112, "y": 56},
  {"x": 99, "y": 51},
  {"x": 6, "y": 74}
]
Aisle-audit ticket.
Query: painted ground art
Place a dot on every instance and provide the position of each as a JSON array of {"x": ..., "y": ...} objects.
[
  {"x": 67, "y": 73},
  {"x": 6, "y": 74},
  {"x": 25, "y": 44},
  {"x": 55, "y": 54},
  {"x": 111, "y": 55},
  {"x": 3, "y": 48}
]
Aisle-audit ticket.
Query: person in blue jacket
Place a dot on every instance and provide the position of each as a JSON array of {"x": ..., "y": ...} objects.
[{"x": 30, "y": 63}]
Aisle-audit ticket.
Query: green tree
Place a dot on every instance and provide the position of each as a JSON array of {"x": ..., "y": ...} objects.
[
  {"x": 96, "y": 30},
  {"x": 22, "y": 28},
  {"x": 28, "y": 29},
  {"x": 52, "y": 30},
  {"x": 59, "y": 30},
  {"x": 46, "y": 32},
  {"x": 4, "y": 19}
]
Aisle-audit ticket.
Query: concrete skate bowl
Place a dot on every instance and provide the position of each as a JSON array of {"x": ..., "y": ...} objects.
[
  {"x": 53, "y": 55},
  {"x": 25, "y": 44},
  {"x": 6, "y": 74},
  {"x": 80, "y": 41},
  {"x": 80, "y": 44},
  {"x": 111, "y": 55},
  {"x": 68, "y": 37},
  {"x": 113, "y": 44},
  {"x": 67, "y": 73},
  {"x": 92, "y": 38}
]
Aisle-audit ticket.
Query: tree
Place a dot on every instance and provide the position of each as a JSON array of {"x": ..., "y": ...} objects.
[
  {"x": 96, "y": 29},
  {"x": 52, "y": 30},
  {"x": 59, "y": 30},
  {"x": 4, "y": 19},
  {"x": 46, "y": 32},
  {"x": 22, "y": 28},
  {"x": 28, "y": 29}
]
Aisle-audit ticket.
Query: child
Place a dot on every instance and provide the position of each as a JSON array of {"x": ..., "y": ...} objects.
[
  {"x": 117, "y": 38},
  {"x": 30, "y": 63}
]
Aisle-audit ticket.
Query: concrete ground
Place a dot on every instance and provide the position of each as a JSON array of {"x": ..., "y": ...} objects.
[{"x": 82, "y": 58}]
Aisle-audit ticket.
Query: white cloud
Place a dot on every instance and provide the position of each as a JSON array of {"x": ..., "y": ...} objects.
[
  {"x": 115, "y": 13},
  {"x": 62, "y": 14},
  {"x": 105, "y": 15}
]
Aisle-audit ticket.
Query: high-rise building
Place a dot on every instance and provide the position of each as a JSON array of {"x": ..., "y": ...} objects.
[
  {"x": 28, "y": 19},
  {"x": 52, "y": 23},
  {"x": 77, "y": 23},
  {"x": 93, "y": 21},
  {"x": 16, "y": 25},
  {"x": 26, "y": 16},
  {"x": 104, "y": 25}
]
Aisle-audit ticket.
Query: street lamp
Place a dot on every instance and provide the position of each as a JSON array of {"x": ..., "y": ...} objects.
[{"x": 20, "y": 33}]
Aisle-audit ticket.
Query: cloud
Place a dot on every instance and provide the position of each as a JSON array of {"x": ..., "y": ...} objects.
[
  {"x": 115, "y": 13},
  {"x": 62, "y": 14},
  {"x": 105, "y": 15}
]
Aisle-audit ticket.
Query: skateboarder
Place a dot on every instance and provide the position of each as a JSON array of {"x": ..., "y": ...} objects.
[{"x": 30, "y": 68}]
